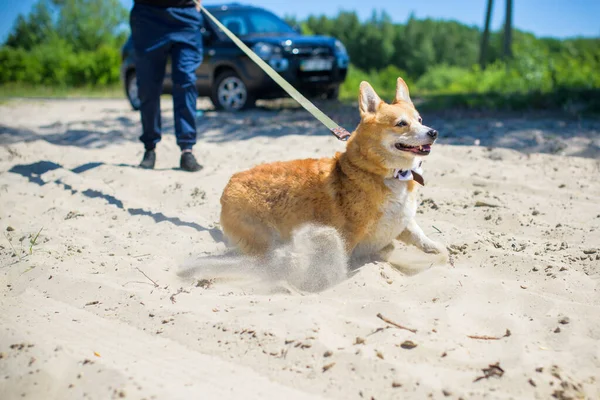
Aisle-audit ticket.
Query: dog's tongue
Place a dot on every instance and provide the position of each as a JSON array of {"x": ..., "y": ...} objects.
[{"x": 425, "y": 147}]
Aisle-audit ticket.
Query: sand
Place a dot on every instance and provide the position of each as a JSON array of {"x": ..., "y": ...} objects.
[{"x": 91, "y": 305}]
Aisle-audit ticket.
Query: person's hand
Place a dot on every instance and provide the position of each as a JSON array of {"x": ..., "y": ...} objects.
[{"x": 198, "y": 4}]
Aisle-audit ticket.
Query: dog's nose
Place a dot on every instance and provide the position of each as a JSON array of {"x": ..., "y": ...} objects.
[{"x": 432, "y": 133}]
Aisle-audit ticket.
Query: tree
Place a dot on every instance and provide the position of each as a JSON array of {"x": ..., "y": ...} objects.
[
  {"x": 87, "y": 24},
  {"x": 485, "y": 39},
  {"x": 508, "y": 30},
  {"x": 83, "y": 24},
  {"x": 34, "y": 29}
]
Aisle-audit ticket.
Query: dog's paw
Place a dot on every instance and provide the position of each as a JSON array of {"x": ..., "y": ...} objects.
[
  {"x": 434, "y": 248},
  {"x": 438, "y": 248}
]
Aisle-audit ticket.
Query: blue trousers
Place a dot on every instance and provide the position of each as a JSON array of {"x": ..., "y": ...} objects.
[{"x": 158, "y": 33}]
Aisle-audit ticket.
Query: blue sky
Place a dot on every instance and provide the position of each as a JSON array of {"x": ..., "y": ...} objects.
[{"x": 558, "y": 18}]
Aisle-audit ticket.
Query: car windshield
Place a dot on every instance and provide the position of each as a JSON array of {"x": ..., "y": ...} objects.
[{"x": 253, "y": 22}]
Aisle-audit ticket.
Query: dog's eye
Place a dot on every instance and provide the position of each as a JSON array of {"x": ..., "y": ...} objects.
[
  {"x": 402, "y": 123},
  {"x": 420, "y": 120}
]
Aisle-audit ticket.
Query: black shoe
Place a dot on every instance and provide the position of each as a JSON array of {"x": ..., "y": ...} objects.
[
  {"x": 149, "y": 160},
  {"x": 188, "y": 162}
]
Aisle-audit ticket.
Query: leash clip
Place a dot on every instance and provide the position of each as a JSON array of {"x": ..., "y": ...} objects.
[{"x": 341, "y": 133}]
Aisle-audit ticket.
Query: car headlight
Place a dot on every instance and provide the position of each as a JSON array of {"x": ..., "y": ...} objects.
[
  {"x": 340, "y": 49},
  {"x": 266, "y": 50}
]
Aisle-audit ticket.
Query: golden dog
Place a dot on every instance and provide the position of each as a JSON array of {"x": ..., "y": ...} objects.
[{"x": 367, "y": 193}]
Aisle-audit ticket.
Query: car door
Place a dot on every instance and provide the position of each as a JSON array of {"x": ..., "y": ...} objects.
[{"x": 204, "y": 71}]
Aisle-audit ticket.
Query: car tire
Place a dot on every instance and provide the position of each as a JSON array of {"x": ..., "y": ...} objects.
[
  {"x": 333, "y": 94},
  {"x": 230, "y": 93},
  {"x": 131, "y": 90}
]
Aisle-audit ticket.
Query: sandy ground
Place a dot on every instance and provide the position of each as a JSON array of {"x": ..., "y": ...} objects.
[{"x": 91, "y": 306}]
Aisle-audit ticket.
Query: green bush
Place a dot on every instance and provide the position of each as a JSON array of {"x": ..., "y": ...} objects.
[
  {"x": 440, "y": 78},
  {"x": 10, "y": 62},
  {"x": 65, "y": 43},
  {"x": 349, "y": 89},
  {"x": 107, "y": 61},
  {"x": 384, "y": 82},
  {"x": 523, "y": 83},
  {"x": 97, "y": 68},
  {"x": 387, "y": 79},
  {"x": 56, "y": 64},
  {"x": 53, "y": 56}
]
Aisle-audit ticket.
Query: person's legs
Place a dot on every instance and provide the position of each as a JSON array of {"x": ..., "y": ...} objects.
[
  {"x": 151, "y": 47},
  {"x": 150, "y": 69},
  {"x": 186, "y": 56}
]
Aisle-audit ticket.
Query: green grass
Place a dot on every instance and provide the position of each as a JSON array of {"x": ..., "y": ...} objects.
[
  {"x": 12, "y": 90},
  {"x": 32, "y": 241}
]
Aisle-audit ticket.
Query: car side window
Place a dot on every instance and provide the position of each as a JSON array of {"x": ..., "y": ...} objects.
[
  {"x": 235, "y": 24},
  {"x": 264, "y": 23}
]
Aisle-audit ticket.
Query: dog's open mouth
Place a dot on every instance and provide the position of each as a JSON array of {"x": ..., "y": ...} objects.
[{"x": 420, "y": 150}]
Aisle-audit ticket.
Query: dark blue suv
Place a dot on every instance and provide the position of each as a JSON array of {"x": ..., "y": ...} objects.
[{"x": 315, "y": 65}]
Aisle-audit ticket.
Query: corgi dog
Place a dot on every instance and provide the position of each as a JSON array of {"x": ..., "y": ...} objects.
[{"x": 366, "y": 193}]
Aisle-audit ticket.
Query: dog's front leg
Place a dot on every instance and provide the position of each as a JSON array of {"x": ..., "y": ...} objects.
[{"x": 413, "y": 234}]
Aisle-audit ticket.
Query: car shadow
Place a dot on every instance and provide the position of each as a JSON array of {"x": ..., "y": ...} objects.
[{"x": 545, "y": 132}]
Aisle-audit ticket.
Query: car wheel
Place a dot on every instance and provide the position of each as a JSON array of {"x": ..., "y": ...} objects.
[
  {"x": 333, "y": 94},
  {"x": 131, "y": 90},
  {"x": 230, "y": 93}
]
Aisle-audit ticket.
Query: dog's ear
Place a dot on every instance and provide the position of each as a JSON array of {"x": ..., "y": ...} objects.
[
  {"x": 402, "y": 93},
  {"x": 368, "y": 101}
]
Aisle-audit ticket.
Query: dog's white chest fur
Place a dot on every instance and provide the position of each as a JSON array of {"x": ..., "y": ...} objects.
[{"x": 400, "y": 207}]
